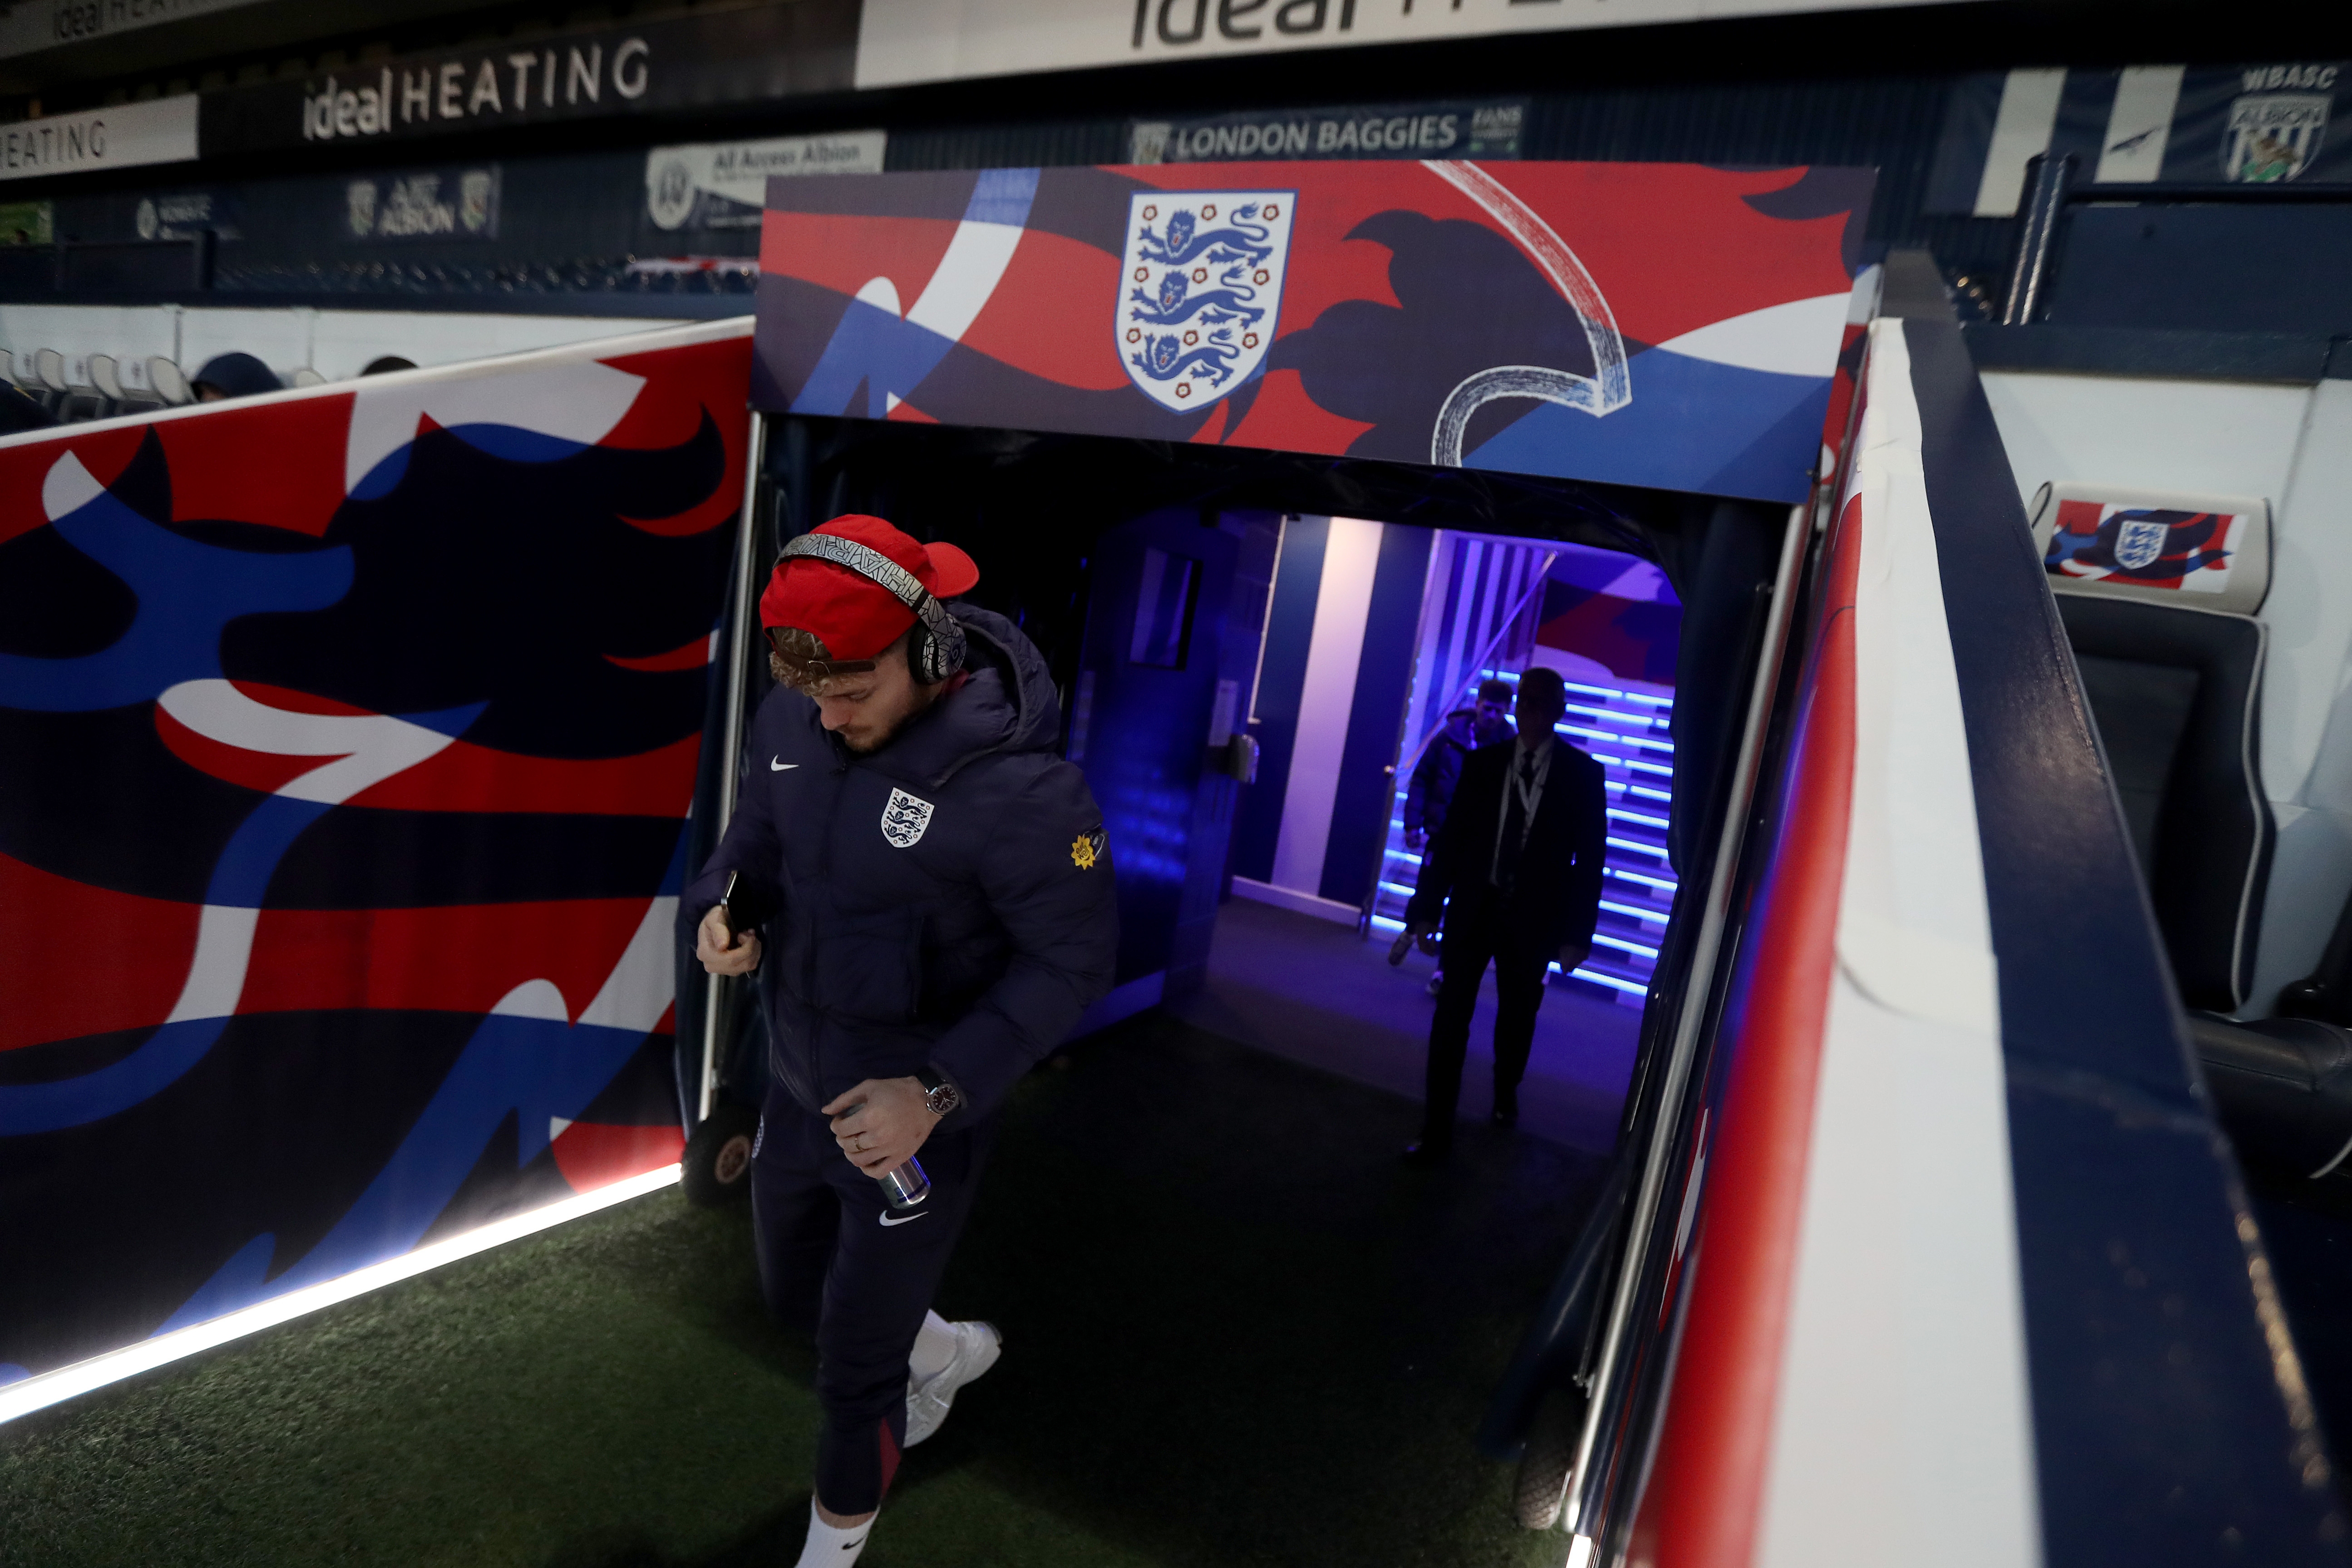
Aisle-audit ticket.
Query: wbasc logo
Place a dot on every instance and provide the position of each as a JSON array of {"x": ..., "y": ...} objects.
[{"x": 2272, "y": 135}]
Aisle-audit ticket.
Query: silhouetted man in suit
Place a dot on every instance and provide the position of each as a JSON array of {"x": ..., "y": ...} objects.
[{"x": 1515, "y": 870}]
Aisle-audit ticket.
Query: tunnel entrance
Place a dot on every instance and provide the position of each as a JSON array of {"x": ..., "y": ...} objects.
[{"x": 1258, "y": 654}]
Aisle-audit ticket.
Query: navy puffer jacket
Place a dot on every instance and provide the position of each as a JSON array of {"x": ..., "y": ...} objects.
[{"x": 946, "y": 900}]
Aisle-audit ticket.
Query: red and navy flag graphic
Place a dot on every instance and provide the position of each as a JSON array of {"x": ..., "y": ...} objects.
[
  {"x": 2148, "y": 547},
  {"x": 1657, "y": 324},
  {"x": 347, "y": 739}
]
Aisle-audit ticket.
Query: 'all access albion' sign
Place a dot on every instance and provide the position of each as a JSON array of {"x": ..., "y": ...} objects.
[{"x": 160, "y": 130}]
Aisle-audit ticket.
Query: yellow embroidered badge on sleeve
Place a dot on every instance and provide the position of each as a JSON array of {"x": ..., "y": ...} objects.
[{"x": 1087, "y": 849}]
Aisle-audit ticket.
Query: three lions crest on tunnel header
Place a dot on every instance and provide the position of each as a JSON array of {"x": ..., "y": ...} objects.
[{"x": 1201, "y": 290}]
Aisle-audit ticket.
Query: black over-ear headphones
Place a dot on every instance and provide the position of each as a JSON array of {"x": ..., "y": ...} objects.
[{"x": 937, "y": 649}]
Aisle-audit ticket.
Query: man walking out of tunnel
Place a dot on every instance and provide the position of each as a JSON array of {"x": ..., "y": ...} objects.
[
  {"x": 1515, "y": 872},
  {"x": 1437, "y": 773},
  {"x": 942, "y": 913}
]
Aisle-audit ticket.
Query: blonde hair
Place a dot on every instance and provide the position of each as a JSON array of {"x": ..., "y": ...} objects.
[{"x": 799, "y": 658}]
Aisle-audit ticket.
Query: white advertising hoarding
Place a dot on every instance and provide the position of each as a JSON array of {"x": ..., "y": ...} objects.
[
  {"x": 903, "y": 41},
  {"x": 160, "y": 130},
  {"x": 32, "y": 25}
]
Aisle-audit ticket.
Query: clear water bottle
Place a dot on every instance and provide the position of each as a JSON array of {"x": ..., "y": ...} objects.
[{"x": 906, "y": 1187}]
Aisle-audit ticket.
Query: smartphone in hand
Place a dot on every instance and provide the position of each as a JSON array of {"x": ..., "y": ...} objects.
[
  {"x": 746, "y": 909},
  {"x": 727, "y": 908}
]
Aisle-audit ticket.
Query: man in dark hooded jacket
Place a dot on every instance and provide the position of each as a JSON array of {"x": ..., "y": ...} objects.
[
  {"x": 228, "y": 376},
  {"x": 943, "y": 914},
  {"x": 1440, "y": 768},
  {"x": 1431, "y": 793}
]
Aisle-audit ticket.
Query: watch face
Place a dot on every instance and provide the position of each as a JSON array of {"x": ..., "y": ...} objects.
[{"x": 943, "y": 1100}]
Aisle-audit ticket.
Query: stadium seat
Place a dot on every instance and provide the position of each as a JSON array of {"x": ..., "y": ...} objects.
[
  {"x": 2282, "y": 1088},
  {"x": 2174, "y": 692},
  {"x": 113, "y": 377},
  {"x": 86, "y": 397},
  {"x": 105, "y": 377},
  {"x": 2325, "y": 993},
  {"x": 170, "y": 382},
  {"x": 2157, "y": 593},
  {"x": 48, "y": 384}
]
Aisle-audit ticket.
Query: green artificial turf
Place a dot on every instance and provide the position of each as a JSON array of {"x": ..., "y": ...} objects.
[{"x": 1236, "y": 1333}]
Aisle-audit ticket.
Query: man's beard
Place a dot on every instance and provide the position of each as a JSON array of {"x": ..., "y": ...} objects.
[{"x": 897, "y": 728}]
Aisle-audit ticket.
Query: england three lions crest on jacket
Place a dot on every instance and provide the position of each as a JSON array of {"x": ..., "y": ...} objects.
[
  {"x": 1201, "y": 290},
  {"x": 904, "y": 817}
]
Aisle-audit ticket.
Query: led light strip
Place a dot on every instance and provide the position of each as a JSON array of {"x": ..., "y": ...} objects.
[
  {"x": 1655, "y": 917},
  {"x": 1613, "y": 737},
  {"x": 28, "y": 1394}
]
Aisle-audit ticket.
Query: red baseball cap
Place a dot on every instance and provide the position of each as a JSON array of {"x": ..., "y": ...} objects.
[{"x": 856, "y": 617}]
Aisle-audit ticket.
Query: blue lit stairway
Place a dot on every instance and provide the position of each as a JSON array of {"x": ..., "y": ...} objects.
[{"x": 1626, "y": 733}]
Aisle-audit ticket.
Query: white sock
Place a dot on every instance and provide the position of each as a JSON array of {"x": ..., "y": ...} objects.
[
  {"x": 935, "y": 1347},
  {"x": 829, "y": 1546}
]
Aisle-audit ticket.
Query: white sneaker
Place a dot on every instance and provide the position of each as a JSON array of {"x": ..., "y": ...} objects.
[{"x": 977, "y": 1347}]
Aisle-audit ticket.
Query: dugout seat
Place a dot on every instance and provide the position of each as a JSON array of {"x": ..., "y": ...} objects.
[
  {"x": 169, "y": 381},
  {"x": 2325, "y": 993},
  {"x": 47, "y": 383},
  {"x": 2158, "y": 594},
  {"x": 2175, "y": 694},
  {"x": 121, "y": 381}
]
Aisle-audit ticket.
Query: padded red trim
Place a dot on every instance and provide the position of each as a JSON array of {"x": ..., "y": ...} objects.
[{"x": 1700, "y": 1507}]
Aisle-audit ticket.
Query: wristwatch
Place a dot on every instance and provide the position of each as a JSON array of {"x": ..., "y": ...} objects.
[{"x": 940, "y": 1095}]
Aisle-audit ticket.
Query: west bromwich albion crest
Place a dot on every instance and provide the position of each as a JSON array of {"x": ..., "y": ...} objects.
[
  {"x": 904, "y": 817},
  {"x": 1201, "y": 290},
  {"x": 2274, "y": 136}
]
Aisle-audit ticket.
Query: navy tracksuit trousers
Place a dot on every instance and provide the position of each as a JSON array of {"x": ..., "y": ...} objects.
[{"x": 835, "y": 1257}]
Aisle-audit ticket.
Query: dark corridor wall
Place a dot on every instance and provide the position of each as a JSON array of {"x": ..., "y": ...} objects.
[{"x": 1146, "y": 693}]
